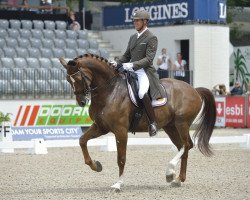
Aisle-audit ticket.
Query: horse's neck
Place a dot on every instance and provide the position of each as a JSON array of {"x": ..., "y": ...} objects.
[
  {"x": 100, "y": 72},
  {"x": 103, "y": 79},
  {"x": 100, "y": 79},
  {"x": 102, "y": 98},
  {"x": 105, "y": 92}
]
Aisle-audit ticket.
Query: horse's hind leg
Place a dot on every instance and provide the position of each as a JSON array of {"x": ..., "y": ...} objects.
[
  {"x": 183, "y": 129},
  {"x": 92, "y": 132},
  {"x": 174, "y": 136}
]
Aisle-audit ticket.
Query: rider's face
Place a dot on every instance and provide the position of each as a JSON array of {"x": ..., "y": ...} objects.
[{"x": 139, "y": 24}]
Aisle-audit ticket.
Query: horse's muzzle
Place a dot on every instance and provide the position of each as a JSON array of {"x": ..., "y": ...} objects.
[
  {"x": 82, "y": 103},
  {"x": 81, "y": 100}
]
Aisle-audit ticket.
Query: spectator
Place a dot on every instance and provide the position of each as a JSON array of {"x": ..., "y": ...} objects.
[
  {"x": 72, "y": 23},
  {"x": 47, "y": 7},
  {"x": 164, "y": 63},
  {"x": 180, "y": 66},
  {"x": 25, "y": 5},
  {"x": 237, "y": 89},
  {"x": 13, "y": 3},
  {"x": 220, "y": 89}
]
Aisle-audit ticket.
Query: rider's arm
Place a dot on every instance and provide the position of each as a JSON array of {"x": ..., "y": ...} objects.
[{"x": 126, "y": 56}]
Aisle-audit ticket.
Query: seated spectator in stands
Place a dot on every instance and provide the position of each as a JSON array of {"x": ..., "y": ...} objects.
[
  {"x": 248, "y": 89},
  {"x": 72, "y": 23},
  {"x": 237, "y": 89},
  {"x": 47, "y": 6},
  {"x": 13, "y": 3},
  {"x": 220, "y": 89},
  {"x": 25, "y": 5}
]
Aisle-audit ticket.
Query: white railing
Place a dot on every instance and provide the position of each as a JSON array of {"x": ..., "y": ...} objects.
[{"x": 39, "y": 146}]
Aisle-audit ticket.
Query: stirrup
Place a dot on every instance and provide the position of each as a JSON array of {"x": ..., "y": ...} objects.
[{"x": 152, "y": 129}]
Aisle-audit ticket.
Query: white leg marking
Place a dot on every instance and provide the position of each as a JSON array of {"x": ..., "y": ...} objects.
[
  {"x": 119, "y": 183},
  {"x": 172, "y": 164}
]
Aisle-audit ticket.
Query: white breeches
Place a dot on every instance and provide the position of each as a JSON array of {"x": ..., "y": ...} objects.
[{"x": 143, "y": 82}]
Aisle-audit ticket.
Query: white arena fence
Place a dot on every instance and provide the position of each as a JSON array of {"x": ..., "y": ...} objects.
[{"x": 108, "y": 143}]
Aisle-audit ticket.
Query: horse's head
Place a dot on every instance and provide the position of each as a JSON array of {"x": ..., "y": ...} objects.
[{"x": 78, "y": 80}]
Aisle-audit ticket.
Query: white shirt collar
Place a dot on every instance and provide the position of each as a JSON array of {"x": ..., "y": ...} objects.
[{"x": 139, "y": 34}]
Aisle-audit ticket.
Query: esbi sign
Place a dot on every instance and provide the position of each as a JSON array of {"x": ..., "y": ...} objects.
[{"x": 235, "y": 111}]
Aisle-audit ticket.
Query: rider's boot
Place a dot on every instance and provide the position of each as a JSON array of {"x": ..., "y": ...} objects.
[{"x": 150, "y": 114}]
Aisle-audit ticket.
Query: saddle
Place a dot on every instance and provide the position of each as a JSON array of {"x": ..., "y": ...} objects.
[{"x": 133, "y": 88}]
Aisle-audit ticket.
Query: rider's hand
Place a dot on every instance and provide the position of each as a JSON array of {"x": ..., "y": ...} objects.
[
  {"x": 128, "y": 66},
  {"x": 114, "y": 63}
]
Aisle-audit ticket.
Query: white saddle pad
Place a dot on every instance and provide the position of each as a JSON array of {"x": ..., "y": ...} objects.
[{"x": 155, "y": 103}]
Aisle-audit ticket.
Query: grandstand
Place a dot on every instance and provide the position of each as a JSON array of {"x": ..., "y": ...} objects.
[{"x": 29, "y": 52}]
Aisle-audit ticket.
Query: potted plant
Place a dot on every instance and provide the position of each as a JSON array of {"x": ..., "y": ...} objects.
[
  {"x": 4, "y": 117},
  {"x": 5, "y": 125},
  {"x": 241, "y": 72}
]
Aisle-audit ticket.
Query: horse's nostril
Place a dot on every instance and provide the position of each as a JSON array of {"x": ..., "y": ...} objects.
[{"x": 82, "y": 103}]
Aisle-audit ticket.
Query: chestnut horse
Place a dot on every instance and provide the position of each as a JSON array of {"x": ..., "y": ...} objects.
[{"x": 112, "y": 111}]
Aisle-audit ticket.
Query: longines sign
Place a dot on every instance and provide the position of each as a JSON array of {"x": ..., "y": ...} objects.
[{"x": 167, "y": 12}]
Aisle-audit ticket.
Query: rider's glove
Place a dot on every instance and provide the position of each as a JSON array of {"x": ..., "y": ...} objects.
[
  {"x": 128, "y": 66},
  {"x": 113, "y": 62}
]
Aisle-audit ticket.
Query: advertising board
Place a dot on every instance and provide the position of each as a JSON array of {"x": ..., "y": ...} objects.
[
  {"x": 46, "y": 119},
  {"x": 248, "y": 111},
  {"x": 235, "y": 111},
  {"x": 166, "y": 12},
  {"x": 220, "y": 111}
]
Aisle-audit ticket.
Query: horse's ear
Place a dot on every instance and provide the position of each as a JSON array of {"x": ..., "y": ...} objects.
[{"x": 63, "y": 62}]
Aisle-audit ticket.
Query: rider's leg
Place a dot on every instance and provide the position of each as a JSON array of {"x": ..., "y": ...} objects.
[
  {"x": 151, "y": 115},
  {"x": 143, "y": 89}
]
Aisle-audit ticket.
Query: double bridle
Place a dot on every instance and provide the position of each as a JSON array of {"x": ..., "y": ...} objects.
[{"x": 88, "y": 90}]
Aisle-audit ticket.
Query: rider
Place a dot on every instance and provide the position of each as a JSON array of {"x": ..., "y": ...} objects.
[{"x": 139, "y": 57}]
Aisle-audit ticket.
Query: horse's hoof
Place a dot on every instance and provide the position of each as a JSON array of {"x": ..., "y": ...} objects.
[
  {"x": 117, "y": 186},
  {"x": 176, "y": 183},
  {"x": 98, "y": 166},
  {"x": 115, "y": 190},
  {"x": 170, "y": 178}
]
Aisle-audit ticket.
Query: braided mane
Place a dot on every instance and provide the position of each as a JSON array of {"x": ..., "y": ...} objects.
[{"x": 88, "y": 55}]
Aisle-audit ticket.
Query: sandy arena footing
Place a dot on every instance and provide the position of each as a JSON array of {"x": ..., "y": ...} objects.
[{"x": 62, "y": 174}]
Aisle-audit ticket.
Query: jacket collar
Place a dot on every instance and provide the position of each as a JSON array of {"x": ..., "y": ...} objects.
[{"x": 139, "y": 34}]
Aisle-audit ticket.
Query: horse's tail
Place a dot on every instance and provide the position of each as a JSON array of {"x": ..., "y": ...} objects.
[{"x": 207, "y": 121}]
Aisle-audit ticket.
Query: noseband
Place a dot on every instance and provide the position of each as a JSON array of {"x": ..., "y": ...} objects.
[{"x": 84, "y": 81}]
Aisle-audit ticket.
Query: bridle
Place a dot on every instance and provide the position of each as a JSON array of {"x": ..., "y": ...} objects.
[
  {"x": 89, "y": 90},
  {"x": 85, "y": 93}
]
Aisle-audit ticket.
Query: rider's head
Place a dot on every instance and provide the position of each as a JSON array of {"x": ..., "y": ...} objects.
[{"x": 140, "y": 19}]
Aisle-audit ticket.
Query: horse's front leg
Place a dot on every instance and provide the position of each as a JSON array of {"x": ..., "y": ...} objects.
[
  {"x": 92, "y": 132},
  {"x": 121, "y": 144}
]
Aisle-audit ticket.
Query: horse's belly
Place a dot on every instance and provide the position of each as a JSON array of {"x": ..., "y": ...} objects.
[{"x": 163, "y": 117}]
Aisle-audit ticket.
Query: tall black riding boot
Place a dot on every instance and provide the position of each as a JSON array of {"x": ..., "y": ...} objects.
[{"x": 151, "y": 115}]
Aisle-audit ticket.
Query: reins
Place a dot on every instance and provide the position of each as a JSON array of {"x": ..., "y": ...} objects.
[{"x": 106, "y": 85}]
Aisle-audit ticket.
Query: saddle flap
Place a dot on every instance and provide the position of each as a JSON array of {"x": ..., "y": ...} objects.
[{"x": 133, "y": 88}]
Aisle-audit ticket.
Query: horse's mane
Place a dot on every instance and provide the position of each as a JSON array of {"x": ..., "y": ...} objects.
[{"x": 93, "y": 56}]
